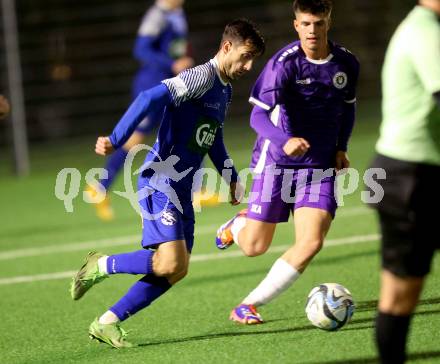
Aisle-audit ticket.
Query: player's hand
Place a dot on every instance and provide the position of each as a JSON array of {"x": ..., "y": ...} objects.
[
  {"x": 296, "y": 147},
  {"x": 236, "y": 191},
  {"x": 182, "y": 64},
  {"x": 104, "y": 146},
  {"x": 4, "y": 107},
  {"x": 342, "y": 160}
]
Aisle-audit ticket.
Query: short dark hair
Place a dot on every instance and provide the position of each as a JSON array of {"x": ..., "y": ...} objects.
[
  {"x": 313, "y": 6},
  {"x": 244, "y": 31}
]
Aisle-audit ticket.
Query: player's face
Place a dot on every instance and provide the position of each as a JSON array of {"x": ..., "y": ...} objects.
[
  {"x": 312, "y": 30},
  {"x": 238, "y": 59}
]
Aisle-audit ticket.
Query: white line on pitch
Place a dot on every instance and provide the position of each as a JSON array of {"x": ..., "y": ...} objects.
[
  {"x": 196, "y": 258},
  {"x": 129, "y": 239},
  {"x": 92, "y": 244}
]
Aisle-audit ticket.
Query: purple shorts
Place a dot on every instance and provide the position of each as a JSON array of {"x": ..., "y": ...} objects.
[{"x": 274, "y": 196}]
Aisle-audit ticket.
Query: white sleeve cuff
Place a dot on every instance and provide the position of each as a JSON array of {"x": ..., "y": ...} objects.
[{"x": 258, "y": 103}]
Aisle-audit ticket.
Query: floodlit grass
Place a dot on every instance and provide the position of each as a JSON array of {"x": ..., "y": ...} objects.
[{"x": 41, "y": 324}]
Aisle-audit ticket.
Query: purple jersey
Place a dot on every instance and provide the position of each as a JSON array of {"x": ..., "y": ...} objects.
[{"x": 314, "y": 100}]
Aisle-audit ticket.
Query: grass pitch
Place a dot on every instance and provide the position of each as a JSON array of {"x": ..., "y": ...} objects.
[{"x": 41, "y": 245}]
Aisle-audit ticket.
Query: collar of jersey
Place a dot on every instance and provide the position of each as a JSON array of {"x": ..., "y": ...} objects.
[
  {"x": 214, "y": 62},
  {"x": 319, "y": 61}
]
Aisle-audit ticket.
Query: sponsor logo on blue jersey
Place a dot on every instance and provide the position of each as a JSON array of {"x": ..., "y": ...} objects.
[
  {"x": 215, "y": 105},
  {"x": 204, "y": 135}
]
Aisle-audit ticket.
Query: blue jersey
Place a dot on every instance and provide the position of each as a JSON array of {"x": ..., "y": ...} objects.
[
  {"x": 304, "y": 98},
  {"x": 161, "y": 39},
  {"x": 194, "y": 103}
]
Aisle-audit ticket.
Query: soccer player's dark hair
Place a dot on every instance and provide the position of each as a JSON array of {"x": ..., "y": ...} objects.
[
  {"x": 245, "y": 32},
  {"x": 313, "y": 6}
]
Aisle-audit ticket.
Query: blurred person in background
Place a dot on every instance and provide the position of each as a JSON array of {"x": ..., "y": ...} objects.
[
  {"x": 408, "y": 150},
  {"x": 4, "y": 107},
  {"x": 161, "y": 48}
]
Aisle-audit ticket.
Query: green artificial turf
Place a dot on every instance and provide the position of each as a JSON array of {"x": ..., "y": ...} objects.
[{"x": 41, "y": 324}]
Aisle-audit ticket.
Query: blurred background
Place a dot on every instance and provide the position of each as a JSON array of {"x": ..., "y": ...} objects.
[{"x": 77, "y": 63}]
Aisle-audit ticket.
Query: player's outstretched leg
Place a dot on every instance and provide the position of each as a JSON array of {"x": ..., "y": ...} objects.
[
  {"x": 280, "y": 277},
  {"x": 111, "y": 334},
  {"x": 225, "y": 238},
  {"x": 87, "y": 276},
  {"x": 246, "y": 315}
]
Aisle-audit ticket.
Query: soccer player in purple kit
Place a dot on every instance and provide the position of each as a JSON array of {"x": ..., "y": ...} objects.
[
  {"x": 304, "y": 112},
  {"x": 194, "y": 104}
]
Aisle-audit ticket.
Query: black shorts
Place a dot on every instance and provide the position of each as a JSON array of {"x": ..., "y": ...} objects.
[{"x": 409, "y": 215}]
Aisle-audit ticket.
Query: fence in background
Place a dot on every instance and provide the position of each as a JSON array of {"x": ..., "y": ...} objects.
[{"x": 77, "y": 65}]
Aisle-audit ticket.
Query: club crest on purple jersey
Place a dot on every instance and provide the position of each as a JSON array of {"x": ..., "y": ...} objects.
[{"x": 340, "y": 80}]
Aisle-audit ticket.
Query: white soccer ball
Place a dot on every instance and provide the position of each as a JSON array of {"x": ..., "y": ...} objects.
[{"x": 329, "y": 306}]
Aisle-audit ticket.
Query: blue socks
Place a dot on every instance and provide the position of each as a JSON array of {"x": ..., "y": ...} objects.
[
  {"x": 138, "y": 262},
  {"x": 144, "y": 291},
  {"x": 140, "y": 295},
  {"x": 114, "y": 164}
]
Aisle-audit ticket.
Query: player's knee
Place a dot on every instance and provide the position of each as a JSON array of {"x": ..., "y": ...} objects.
[
  {"x": 180, "y": 275},
  {"x": 398, "y": 304},
  {"x": 312, "y": 246},
  {"x": 399, "y": 296},
  {"x": 255, "y": 249},
  {"x": 170, "y": 268},
  {"x": 317, "y": 245},
  {"x": 254, "y": 245},
  {"x": 173, "y": 279}
]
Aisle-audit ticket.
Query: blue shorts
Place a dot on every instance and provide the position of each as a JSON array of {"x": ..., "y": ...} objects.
[{"x": 163, "y": 222}]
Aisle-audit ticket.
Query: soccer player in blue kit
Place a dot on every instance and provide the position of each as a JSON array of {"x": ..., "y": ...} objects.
[
  {"x": 304, "y": 112},
  {"x": 194, "y": 104},
  {"x": 161, "y": 48}
]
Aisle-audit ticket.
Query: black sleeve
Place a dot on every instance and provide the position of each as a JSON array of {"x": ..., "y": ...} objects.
[{"x": 437, "y": 98}]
